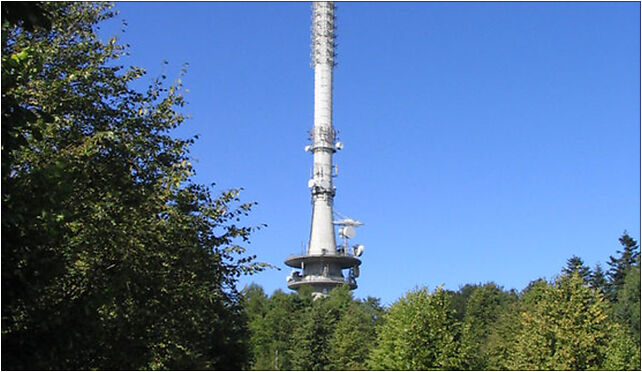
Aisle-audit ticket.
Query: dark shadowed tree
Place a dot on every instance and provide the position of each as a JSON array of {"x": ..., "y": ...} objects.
[
  {"x": 458, "y": 299},
  {"x": 598, "y": 279},
  {"x": 111, "y": 257},
  {"x": 619, "y": 266},
  {"x": 576, "y": 265}
]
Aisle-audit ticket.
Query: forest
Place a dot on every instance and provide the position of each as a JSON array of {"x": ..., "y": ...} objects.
[
  {"x": 114, "y": 259},
  {"x": 582, "y": 320}
]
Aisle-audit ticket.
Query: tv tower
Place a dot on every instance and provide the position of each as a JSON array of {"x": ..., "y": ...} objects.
[{"x": 322, "y": 265}]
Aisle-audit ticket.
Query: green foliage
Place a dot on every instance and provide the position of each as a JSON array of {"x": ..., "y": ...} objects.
[
  {"x": 354, "y": 335},
  {"x": 576, "y": 265},
  {"x": 500, "y": 343},
  {"x": 272, "y": 324},
  {"x": 316, "y": 328},
  {"x": 459, "y": 299},
  {"x": 295, "y": 331},
  {"x": 623, "y": 353},
  {"x": 598, "y": 280},
  {"x": 619, "y": 266},
  {"x": 565, "y": 325},
  {"x": 28, "y": 15},
  {"x": 566, "y": 329},
  {"x": 484, "y": 307},
  {"x": 111, "y": 257},
  {"x": 419, "y": 332},
  {"x": 627, "y": 309}
]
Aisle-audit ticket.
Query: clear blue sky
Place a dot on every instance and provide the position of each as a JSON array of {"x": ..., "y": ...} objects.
[{"x": 483, "y": 141}]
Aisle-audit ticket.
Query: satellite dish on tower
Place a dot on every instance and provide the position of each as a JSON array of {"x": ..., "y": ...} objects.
[{"x": 347, "y": 232}]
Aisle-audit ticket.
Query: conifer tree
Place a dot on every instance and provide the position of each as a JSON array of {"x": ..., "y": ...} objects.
[
  {"x": 598, "y": 280},
  {"x": 627, "y": 309},
  {"x": 576, "y": 265},
  {"x": 619, "y": 266}
]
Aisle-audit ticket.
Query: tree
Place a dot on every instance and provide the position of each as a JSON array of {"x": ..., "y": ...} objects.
[
  {"x": 28, "y": 15},
  {"x": 619, "y": 266},
  {"x": 598, "y": 280},
  {"x": 627, "y": 309},
  {"x": 567, "y": 328},
  {"x": 501, "y": 340},
  {"x": 272, "y": 327},
  {"x": 313, "y": 335},
  {"x": 354, "y": 335},
  {"x": 576, "y": 265},
  {"x": 419, "y": 332},
  {"x": 483, "y": 309},
  {"x": 459, "y": 299},
  {"x": 623, "y": 353},
  {"x": 295, "y": 331},
  {"x": 255, "y": 302},
  {"x": 111, "y": 257}
]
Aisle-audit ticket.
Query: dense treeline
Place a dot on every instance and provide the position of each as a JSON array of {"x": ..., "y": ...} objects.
[
  {"x": 113, "y": 259},
  {"x": 583, "y": 319}
]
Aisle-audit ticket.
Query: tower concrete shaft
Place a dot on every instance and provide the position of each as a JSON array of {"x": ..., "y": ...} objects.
[
  {"x": 322, "y": 264},
  {"x": 322, "y": 239}
]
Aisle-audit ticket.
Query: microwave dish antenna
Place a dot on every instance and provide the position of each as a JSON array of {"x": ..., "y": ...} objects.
[{"x": 347, "y": 232}]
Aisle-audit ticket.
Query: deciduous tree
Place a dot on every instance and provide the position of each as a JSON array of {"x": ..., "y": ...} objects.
[
  {"x": 567, "y": 328},
  {"x": 272, "y": 327},
  {"x": 419, "y": 332},
  {"x": 312, "y": 349},
  {"x": 483, "y": 309},
  {"x": 354, "y": 335},
  {"x": 111, "y": 257}
]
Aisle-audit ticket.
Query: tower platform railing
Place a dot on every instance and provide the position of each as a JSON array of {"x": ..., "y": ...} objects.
[{"x": 297, "y": 281}]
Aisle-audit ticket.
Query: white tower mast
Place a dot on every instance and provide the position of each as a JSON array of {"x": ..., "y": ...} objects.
[
  {"x": 323, "y": 135},
  {"x": 322, "y": 264}
]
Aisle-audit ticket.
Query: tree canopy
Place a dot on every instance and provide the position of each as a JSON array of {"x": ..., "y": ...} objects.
[
  {"x": 619, "y": 266},
  {"x": 566, "y": 323},
  {"x": 111, "y": 257},
  {"x": 419, "y": 332}
]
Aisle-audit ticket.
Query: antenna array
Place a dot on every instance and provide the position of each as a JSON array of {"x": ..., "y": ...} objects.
[{"x": 323, "y": 35}]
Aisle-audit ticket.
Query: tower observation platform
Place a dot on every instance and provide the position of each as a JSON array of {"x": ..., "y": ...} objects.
[{"x": 322, "y": 264}]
